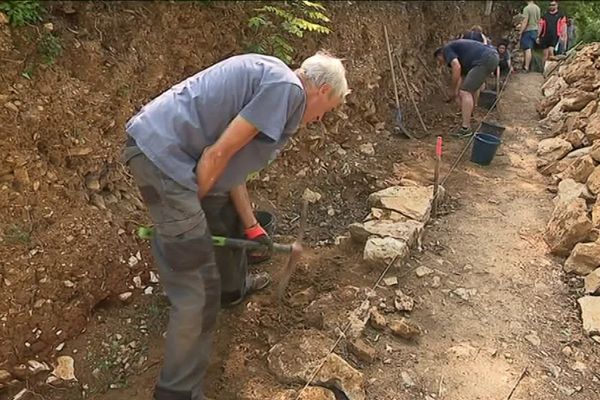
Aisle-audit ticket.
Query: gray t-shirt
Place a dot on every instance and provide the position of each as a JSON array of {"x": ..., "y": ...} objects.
[{"x": 174, "y": 129}]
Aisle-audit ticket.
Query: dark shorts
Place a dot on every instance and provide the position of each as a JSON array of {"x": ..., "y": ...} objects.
[
  {"x": 548, "y": 41},
  {"x": 528, "y": 40},
  {"x": 477, "y": 75}
]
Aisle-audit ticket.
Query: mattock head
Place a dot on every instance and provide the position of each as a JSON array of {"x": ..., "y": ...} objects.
[{"x": 295, "y": 254}]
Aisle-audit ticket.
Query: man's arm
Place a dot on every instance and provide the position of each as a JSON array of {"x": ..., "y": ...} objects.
[
  {"x": 241, "y": 200},
  {"x": 524, "y": 23},
  {"x": 215, "y": 158},
  {"x": 456, "y": 72}
]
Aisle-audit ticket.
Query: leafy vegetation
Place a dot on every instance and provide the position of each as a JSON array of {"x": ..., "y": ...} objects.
[
  {"x": 50, "y": 48},
  {"x": 22, "y": 12},
  {"x": 276, "y": 25}
]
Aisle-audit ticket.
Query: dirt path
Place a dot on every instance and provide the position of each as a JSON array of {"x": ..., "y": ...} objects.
[{"x": 503, "y": 305}]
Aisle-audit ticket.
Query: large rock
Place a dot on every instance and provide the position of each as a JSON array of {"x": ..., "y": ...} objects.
[
  {"x": 584, "y": 259},
  {"x": 568, "y": 226},
  {"x": 413, "y": 202},
  {"x": 579, "y": 153},
  {"x": 589, "y": 110},
  {"x": 595, "y": 151},
  {"x": 576, "y": 137},
  {"x": 294, "y": 358},
  {"x": 337, "y": 373},
  {"x": 578, "y": 71},
  {"x": 553, "y": 149},
  {"x": 554, "y": 85},
  {"x": 579, "y": 170},
  {"x": 590, "y": 314},
  {"x": 409, "y": 231},
  {"x": 323, "y": 314},
  {"x": 596, "y": 213},
  {"x": 592, "y": 282},
  {"x": 569, "y": 190},
  {"x": 557, "y": 167},
  {"x": 577, "y": 100},
  {"x": 381, "y": 251},
  {"x": 593, "y": 182},
  {"x": 592, "y": 129}
]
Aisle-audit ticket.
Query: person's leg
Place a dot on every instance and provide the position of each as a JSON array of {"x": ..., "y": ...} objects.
[
  {"x": 183, "y": 250},
  {"x": 467, "y": 105},
  {"x": 527, "y": 59}
]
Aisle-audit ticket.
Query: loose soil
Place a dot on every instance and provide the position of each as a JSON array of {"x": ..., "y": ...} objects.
[{"x": 519, "y": 311}]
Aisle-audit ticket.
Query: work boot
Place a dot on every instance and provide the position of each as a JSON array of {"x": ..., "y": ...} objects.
[
  {"x": 257, "y": 281},
  {"x": 462, "y": 132},
  {"x": 254, "y": 283}
]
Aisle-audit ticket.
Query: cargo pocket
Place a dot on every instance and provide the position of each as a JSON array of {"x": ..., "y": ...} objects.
[{"x": 185, "y": 244}]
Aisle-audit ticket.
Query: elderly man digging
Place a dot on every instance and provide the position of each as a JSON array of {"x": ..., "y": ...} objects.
[
  {"x": 471, "y": 63},
  {"x": 190, "y": 151}
]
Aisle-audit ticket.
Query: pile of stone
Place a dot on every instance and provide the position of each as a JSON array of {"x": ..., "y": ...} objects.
[
  {"x": 395, "y": 223},
  {"x": 572, "y": 157}
]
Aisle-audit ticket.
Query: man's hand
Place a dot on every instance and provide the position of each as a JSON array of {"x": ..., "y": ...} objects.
[
  {"x": 215, "y": 158},
  {"x": 257, "y": 233}
]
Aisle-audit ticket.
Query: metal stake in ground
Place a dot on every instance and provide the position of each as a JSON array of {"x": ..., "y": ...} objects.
[
  {"x": 398, "y": 112},
  {"x": 436, "y": 175}
]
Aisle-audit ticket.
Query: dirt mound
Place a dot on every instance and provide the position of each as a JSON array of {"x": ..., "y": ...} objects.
[
  {"x": 71, "y": 210},
  {"x": 572, "y": 157}
]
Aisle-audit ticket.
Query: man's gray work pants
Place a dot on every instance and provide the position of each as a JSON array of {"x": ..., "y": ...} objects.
[{"x": 183, "y": 249}]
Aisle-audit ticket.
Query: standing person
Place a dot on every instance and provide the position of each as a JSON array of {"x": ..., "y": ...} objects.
[
  {"x": 529, "y": 31},
  {"x": 471, "y": 63},
  {"x": 202, "y": 138},
  {"x": 552, "y": 29}
]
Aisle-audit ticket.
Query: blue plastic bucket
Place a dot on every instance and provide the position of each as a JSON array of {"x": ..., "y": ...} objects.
[{"x": 484, "y": 148}]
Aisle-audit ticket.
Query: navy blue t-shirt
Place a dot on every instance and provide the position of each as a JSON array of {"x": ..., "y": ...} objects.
[{"x": 470, "y": 53}]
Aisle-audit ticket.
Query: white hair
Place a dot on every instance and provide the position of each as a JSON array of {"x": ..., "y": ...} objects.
[{"x": 323, "y": 68}]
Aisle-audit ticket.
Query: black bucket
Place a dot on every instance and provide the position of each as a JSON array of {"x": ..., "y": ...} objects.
[
  {"x": 487, "y": 98},
  {"x": 266, "y": 220},
  {"x": 493, "y": 128}
]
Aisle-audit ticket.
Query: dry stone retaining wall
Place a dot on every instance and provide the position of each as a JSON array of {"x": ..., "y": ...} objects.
[{"x": 571, "y": 157}]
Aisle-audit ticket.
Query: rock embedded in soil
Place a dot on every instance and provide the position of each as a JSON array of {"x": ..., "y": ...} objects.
[
  {"x": 403, "y": 302},
  {"x": 411, "y": 201},
  {"x": 568, "y": 226},
  {"x": 303, "y": 297},
  {"x": 576, "y": 137},
  {"x": 584, "y": 259},
  {"x": 379, "y": 252},
  {"x": 293, "y": 359},
  {"x": 362, "y": 351},
  {"x": 577, "y": 100},
  {"x": 590, "y": 314},
  {"x": 404, "y": 328},
  {"x": 423, "y": 271},
  {"x": 337, "y": 373},
  {"x": 310, "y": 196},
  {"x": 592, "y": 282},
  {"x": 310, "y": 393},
  {"x": 595, "y": 151},
  {"x": 376, "y": 319},
  {"x": 367, "y": 149}
]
